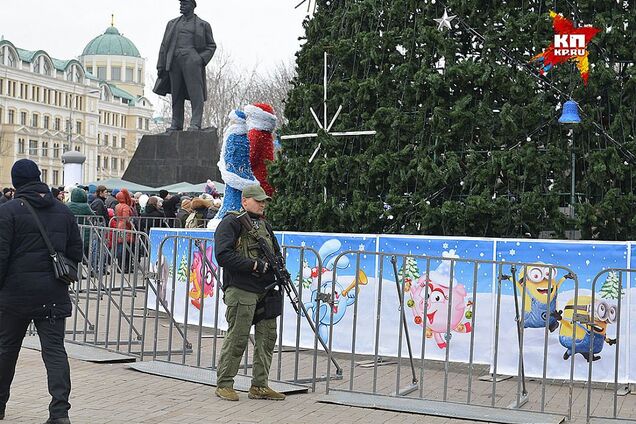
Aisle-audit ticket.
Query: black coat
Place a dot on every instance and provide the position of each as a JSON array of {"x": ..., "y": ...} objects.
[
  {"x": 99, "y": 207},
  {"x": 27, "y": 282}
]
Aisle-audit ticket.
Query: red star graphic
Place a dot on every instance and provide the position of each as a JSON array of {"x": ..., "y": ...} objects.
[{"x": 553, "y": 56}]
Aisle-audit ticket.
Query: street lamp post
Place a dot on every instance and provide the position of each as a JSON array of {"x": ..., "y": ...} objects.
[{"x": 571, "y": 115}]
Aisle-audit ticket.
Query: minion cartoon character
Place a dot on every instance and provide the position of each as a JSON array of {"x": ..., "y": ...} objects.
[
  {"x": 540, "y": 285},
  {"x": 586, "y": 333}
]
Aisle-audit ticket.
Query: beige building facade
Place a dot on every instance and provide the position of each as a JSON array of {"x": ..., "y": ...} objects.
[{"x": 49, "y": 106}]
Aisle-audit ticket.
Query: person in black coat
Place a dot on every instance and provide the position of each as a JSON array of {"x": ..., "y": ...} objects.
[
  {"x": 29, "y": 290},
  {"x": 98, "y": 205},
  {"x": 153, "y": 216}
]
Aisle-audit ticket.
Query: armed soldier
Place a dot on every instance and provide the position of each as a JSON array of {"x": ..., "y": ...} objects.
[{"x": 248, "y": 281}]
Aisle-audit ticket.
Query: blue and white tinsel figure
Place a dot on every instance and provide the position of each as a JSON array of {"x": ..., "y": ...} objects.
[{"x": 234, "y": 164}]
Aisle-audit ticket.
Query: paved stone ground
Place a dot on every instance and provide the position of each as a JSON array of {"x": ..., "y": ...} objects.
[{"x": 112, "y": 393}]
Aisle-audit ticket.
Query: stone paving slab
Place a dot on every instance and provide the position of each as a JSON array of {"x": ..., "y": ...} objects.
[{"x": 81, "y": 352}]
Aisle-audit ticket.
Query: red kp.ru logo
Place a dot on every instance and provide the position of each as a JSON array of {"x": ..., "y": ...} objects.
[{"x": 569, "y": 43}]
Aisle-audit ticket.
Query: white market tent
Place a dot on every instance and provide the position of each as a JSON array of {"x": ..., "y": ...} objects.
[
  {"x": 117, "y": 183},
  {"x": 186, "y": 187}
]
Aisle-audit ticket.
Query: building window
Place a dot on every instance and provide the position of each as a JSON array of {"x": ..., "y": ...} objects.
[
  {"x": 89, "y": 69},
  {"x": 123, "y": 142},
  {"x": 47, "y": 122},
  {"x": 139, "y": 76},
  {"x": 56, "y": 152},
  {"x": 105, "y": 162},
  {"x": 105, "y": 139},
  {"x": 122, "y": 162},
  {"x": 78, "y": 148},
  {"x": 113, "y": 163},
  {"x": 21, "y": 146},
  {"x": 58, "y": 124},
  {"x": 56, "y": 178},
  {"x": 11, "y": 117},
  {"x": 99, "y": 138},
  {"x": 78, "y": 126},
  {"x": 35, "y": 120},
  {"x": 45, "y": 176},
  {"x": 147, "y": 124},
  {"x": 69, "y": 128},
  {"x": 23, "y": 118},
  {"x": 115, "y": 141},
  {"x": 101, "y": 73},
  {"x": 45, "y": 149},
  {"x": 33, "y": 148},
  {"x": 1, "y": 86},
  {"x": 99, "y": 162},
  {"x": 115, "y": 74},
  {"x": 129, "y": 74},
  {"x": 1, "y": 115},
  {"x": 11, "y": 59}
]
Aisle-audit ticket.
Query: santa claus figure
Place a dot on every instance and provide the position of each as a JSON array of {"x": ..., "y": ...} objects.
[{"x": 261, "y": 122}]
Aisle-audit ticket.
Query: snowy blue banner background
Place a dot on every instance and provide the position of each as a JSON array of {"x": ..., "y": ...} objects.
[{"x": 473, "y": 300}]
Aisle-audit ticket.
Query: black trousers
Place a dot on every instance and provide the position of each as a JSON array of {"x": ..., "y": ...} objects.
[
  {"x": 186, "y": 79},
  {"x": 51, "y": 331}
]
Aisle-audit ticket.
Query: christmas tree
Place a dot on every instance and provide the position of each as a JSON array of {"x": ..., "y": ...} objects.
[
  {"x": 182, "y": 272},
  {"x": 467, "y": 139},
  {"x": 409, "y": 273},
  {"x": 612, "y": 288}
]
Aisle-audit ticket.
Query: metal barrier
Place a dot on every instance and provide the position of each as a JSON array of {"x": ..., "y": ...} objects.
[
  {"x": 442, "y": 299},
  {"x": 595, "y": 317},
  {"x": 94, "y": 220},
  {"x": 185, "y": 286},
  {"x": 112, "y": 276},
  {"x": 146, "y": 223}
]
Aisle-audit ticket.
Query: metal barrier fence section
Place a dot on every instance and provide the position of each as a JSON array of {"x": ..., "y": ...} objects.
[
  {"x": 186, "y": 285},
  {"x": 462, "y": 338},
  {"x": 607, "y": 401},
  {"x": 452, "y": 335}
]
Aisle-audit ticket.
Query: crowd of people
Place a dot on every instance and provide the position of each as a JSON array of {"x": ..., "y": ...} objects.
[{"x": 141, "y": 211}]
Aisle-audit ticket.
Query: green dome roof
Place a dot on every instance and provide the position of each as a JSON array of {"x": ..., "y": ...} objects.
[{"x": 111, "y": 43}]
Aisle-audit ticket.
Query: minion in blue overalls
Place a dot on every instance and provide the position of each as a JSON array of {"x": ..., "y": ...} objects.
[
  {"x": 594, "y": 333},
  {"x": 540, "y": 286}
]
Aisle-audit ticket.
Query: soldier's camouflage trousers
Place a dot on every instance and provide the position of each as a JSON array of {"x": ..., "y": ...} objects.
[{"x": 241, "y": 306}]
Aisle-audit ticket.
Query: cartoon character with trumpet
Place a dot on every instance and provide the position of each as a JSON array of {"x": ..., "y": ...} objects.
[
  {"x": 586, "y": 333},
  {"x": 343, "y": 298},
  {"x": 540, "y": 285}
]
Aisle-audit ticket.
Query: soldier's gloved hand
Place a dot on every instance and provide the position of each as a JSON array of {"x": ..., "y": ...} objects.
[
  {"x": 261, "y": 267},
  {"x": 611, "y": 342}
]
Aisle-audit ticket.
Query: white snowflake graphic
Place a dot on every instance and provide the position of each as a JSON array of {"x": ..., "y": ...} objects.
[{"x": 512, "y": 252}]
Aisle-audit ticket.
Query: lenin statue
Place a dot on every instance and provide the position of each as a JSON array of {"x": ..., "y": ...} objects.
[{"x": 186, "y": 49}]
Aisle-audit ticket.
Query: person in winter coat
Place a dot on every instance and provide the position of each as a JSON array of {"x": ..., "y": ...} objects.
[
  {"x": 29, "y": 290},
  {"x": 122, "y": 220},
  {"x": 79, "y": 207},
  {"x": 199, "y": 212},
  {"x": 184, "y": 211},
  {"x": 111, "y": 201},
  {"x": 170, "y": 206},
  {"x": 153, "y": 215},
  {"x": 99, "y": 204}
]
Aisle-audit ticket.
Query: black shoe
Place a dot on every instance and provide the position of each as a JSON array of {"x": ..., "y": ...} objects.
[{"x": 58, "y": 421}]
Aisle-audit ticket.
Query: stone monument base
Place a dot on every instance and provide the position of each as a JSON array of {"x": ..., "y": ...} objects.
[{"x": 175, "y": 157}]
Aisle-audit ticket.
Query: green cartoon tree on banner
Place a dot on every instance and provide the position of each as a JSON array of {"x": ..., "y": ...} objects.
[
  {"x": 468, "y": 141},
  {"x": 611, "y": 288},
  {"x": 182, "y": 273},
  {"x": 409, "y": 273}
]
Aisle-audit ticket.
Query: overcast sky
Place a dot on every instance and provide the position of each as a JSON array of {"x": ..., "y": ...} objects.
[{"x": 255, "y": 33}]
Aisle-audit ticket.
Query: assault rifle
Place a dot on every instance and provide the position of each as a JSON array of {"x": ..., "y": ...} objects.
[{"x": 284, "y": 282}]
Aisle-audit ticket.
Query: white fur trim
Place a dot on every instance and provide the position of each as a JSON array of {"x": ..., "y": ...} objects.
[
  {"x": 258, "y": 119},
  {"x": 230, "y": 178}
]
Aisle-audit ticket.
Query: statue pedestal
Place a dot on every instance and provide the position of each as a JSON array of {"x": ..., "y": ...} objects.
[{"x": 169, "y": 158}]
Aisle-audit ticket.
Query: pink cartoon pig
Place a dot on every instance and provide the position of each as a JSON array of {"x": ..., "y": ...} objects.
[{"x": 437, "y": 308}]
